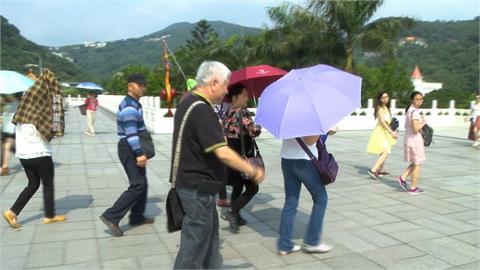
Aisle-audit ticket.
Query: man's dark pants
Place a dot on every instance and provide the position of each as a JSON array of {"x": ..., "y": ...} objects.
[
  {"x": 199, "y": 243},
  {"x": 135, "y": 197}
]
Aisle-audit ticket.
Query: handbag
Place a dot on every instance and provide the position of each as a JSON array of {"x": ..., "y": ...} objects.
[
  {"x": 83, "y": 109},
  {"x": 427, "y": 135},
  {"x": 394, "y": 124},
  {"x": 174, "y": 209},
  {"x": 256, "y": 160},
  {"x": 326, "y": 164},
  {"x": 146, "y": 142}
]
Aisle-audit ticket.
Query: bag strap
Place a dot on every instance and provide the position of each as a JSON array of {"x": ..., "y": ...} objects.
[
  {"x": 178, "y": 148},
  {"x": 242, "y": 140},
  {"x": 305, "y": 148}
]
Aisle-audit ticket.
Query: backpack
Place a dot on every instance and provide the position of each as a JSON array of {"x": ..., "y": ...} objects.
[{"x": 427, "y": 134}]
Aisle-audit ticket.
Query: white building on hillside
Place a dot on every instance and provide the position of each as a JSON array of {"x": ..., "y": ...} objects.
[{"x": 422, "y": 86}]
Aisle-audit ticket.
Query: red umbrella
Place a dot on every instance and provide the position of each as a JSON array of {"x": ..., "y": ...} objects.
[{"x": 256, "y": 78}]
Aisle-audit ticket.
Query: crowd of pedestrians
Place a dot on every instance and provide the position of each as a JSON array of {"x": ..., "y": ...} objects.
[{"x": 203, "y": 145}]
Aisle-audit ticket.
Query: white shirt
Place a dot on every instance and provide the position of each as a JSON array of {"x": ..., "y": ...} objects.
[
  {"x": 29, "y": 143},
  {"x": 291, "y": 149}
]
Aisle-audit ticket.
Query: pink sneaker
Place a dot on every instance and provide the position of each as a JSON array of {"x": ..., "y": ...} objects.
[{"x": 403, "y": 183}]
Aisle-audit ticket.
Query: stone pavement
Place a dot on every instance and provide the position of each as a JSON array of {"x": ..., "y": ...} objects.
[{"x": 372, "y": 224}]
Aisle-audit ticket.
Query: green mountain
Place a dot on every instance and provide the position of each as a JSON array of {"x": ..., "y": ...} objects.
[
  {"x": 102, "y": 59},
  {"x": 445, "y": 51},
  {"x": 17, "y": 52}
]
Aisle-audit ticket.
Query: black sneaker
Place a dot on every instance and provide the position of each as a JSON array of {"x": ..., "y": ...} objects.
[
  {"x": 142, "y": 222},
  {"x": 241, "y": 220},
  {"x": 374, "y": 175},
  {"x": 233, "y": 223},
  {"x": 116, "y": 231}
]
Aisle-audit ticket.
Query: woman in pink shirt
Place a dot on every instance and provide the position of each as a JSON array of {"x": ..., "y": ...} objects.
[
  {"x": 414, "y": 149},
  {"x": 92, "y": 103}
]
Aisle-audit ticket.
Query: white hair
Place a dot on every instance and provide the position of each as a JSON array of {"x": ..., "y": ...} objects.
[{"x": 209, "y": 70}]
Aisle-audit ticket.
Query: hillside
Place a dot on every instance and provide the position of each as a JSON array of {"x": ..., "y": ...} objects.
[
  {"x": 450, "y": 54},
  {"x": 103, "y": 61},
  {"x": 15, "y": 55}
]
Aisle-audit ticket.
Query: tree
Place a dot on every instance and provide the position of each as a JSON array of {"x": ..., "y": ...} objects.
[
  {"x": 349, "y": 19},
  {"x": 299, "y": 38},
  {"x": 202, "y": 36}
]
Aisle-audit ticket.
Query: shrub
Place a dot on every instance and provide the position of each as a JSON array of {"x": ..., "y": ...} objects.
[{"x": 363, "y": 113}]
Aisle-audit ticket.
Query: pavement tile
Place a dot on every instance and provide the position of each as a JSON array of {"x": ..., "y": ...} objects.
[
  {"x": 422, "y": 262},
  {"x": 351, "y": 261}
]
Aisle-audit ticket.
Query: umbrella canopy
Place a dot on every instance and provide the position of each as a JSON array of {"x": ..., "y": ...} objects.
[
  {"x": 89, "y": 85},
  {"x": 13, "y": 82},
  {"x": 308, "y": 101},
  {"x": 256, "y": 78}
]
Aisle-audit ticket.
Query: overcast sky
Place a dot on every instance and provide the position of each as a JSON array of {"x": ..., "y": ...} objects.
[{"x": 67, "y": 22}]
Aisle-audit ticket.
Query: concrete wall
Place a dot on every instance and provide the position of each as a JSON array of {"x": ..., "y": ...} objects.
[{"x": 362, "y": 118}]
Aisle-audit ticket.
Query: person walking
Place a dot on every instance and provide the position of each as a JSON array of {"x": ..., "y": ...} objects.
[
  {"x": 132, "y": 156},
  {"x": 199, "y": 175},
  {"x": 474, "y": 130},
  {"x": 414, "y": 150},
  {"x": 8, "y": 131},
  {"x": 297, "y": 169},
  {"x": 383, "y": 137},
  {"x": 91, "y": 104},
  {"x": 240, "y": 131},
  {"x": 39, "y": 118}
]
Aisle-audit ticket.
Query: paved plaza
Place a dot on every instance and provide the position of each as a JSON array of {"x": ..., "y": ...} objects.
[{"x": 371, "y": 224}]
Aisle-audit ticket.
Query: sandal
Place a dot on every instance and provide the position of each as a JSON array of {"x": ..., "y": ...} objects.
[{"x": 4, "y": 171}]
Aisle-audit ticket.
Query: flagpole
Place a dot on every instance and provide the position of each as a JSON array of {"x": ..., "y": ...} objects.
[{"x": 164, "y": 40}]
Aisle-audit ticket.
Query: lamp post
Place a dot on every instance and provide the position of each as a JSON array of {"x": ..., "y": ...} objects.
[{"x": 39, "y": 61}]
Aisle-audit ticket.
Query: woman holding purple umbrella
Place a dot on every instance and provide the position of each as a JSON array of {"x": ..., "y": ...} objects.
[{"x": 297, "y": 170}]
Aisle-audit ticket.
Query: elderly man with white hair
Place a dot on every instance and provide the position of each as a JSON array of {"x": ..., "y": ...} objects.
[{"x": 199, "y": 163}]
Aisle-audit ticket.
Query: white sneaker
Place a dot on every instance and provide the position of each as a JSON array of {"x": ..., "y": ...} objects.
[
  {"x": 294, "y": 249},
  {"x": 320, "y": 248},
  {"x": 475, "y": 144}
]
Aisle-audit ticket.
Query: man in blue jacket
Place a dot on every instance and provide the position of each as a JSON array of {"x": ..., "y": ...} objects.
[{"x": 132, "y": 156}]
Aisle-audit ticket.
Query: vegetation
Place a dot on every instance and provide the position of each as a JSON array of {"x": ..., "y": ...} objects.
[{"x": 17, "y": 52}]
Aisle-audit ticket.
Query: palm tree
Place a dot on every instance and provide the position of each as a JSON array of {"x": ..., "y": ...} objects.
[
  {"x": 351, "y": 20},
  {"x": 299, "y": 38}
]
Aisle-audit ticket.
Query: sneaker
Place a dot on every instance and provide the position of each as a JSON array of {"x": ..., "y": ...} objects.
[
  {"x": 116, "y": 231},
  {"x": 374, "y": 175},
  {"x": 57, "y": 218},
  {"x": 475, "y": 144},
  {"x": 320, "y": 248},
  {"x": 403, "y": 183},
  {"x": 384, "y": 173},
  {"x": 87, "y": 133},
  {"x": 224, "y": 203},
  {"x": 241, "y": 220},
  {"x": 294, "y": 249},
  {"x": 144, "y": 221},
  {"x": 11, "y": 219},
  {"x": 414, "y": 191}
]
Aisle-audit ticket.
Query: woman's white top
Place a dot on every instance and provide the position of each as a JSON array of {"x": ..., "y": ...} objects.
[
  {"x": 475, "y": 111},
  {"x": 292, "y": 150},
  {"x": 29, "y": 143}
]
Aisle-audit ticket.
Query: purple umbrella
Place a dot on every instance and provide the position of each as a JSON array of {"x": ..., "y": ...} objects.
[{"x": 308, "y": 101}]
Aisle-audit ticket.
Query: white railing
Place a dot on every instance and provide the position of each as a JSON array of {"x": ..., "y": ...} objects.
[{"x": 361, "y": 119}]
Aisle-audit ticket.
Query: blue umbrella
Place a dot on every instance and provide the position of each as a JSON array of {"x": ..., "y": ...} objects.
[
  {"x": 308, "y": 101},
  {"x": 13, "y": 82},
  {"x": 89, "y": 85}
]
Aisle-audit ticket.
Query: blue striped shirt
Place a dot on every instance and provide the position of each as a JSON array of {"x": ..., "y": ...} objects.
[{"x": 130, "y": 122}]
